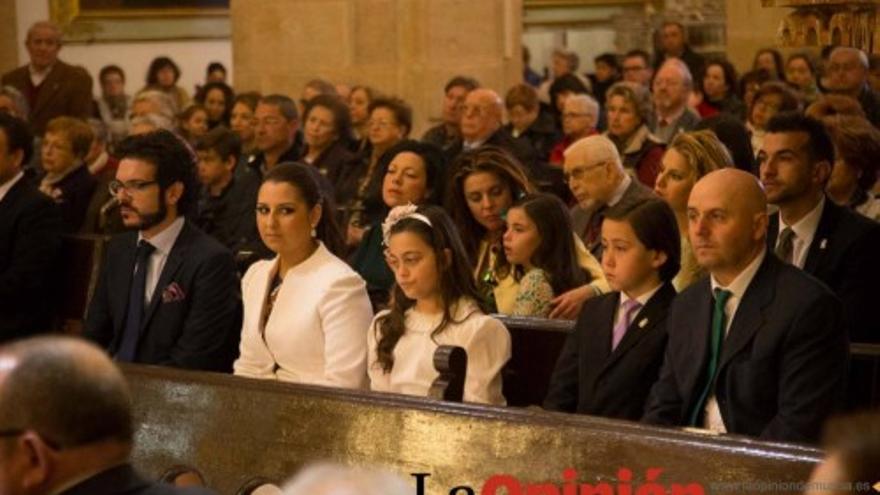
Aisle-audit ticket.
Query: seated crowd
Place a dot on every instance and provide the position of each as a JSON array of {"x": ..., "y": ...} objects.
[{"x": 716, "y": 243}]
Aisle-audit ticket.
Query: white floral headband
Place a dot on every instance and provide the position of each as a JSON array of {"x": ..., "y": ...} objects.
[{"x": 397, "y": 214}]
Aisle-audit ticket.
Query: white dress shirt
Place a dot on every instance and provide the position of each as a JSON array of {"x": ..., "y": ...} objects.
[
  {"x": 163, "y": 242},
  {"x": 713, "y": 420},
  {"x": 317, "y": 330},
  {"x": 38, "y": 76},
  {"x": 804, "y": 232},
  {"x": 485, "y": 339},
  {"x": 4, "y": 188},
  {"x": 620, "y": 190}
]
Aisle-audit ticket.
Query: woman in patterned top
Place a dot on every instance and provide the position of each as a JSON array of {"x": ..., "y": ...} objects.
[{"x": 540, "y": 246}]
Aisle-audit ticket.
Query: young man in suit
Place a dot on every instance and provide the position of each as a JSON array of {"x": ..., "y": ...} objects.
[
  {"x": 168, "y": 294},
  {"x": 51, "y": 87},
  {"x": 66, "y": 423},
  {"x": 756, "y": 347},
  {"x": 830, "y": 242},
  {"x": 30, "y": 238}
]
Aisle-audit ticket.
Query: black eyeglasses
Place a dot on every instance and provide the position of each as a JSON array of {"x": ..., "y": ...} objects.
[{"x": 130, "y": 186}]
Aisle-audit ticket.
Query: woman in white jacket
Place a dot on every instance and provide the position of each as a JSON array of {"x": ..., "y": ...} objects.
[{"x": 306, "y": 313}]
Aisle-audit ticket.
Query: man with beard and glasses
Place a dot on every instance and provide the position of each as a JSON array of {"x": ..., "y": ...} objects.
[{"x": 168, "y": 294}]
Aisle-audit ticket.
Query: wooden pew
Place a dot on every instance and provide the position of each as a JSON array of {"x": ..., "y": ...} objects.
[
  {"x": 233, "y": 430},
  {"x": 537, "y": 343},
  {"x": 78, "y": 274}
]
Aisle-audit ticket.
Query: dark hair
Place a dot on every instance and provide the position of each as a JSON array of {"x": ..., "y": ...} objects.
[
  {"x": 831, "y": 104},
  {"x": 777, "y": 59},
  {"x": 567, "y": 83},
  {"x": 856, "y": 441},
  {"x": 455, "y": 279},
  {"x": 18, "y": 136},
  {"x": 733, "y": 133},
  {"x": 158, "y": 64},
  {"x": 214, "y": 66},
  {"x": 63, "y": 395},
  {"x": 469, "y": 83},
  {"x": 341, "y": 116},
  {"x": 284, "y": 103},
  {"x": 641, "y": 54},
  {"x": 819, "y": 144},
  {"x": 654, "y": 224},
  {"x": 249, "y": 99},
  {"x": 485, "y": 159},
  {"x": 857, "y": 142},
  {"x": 322, "y": 86},
  {"x": 221, "y": 140},
  {"x": 556, "y": 254},
  {"x": 173, "y": 159},
  {"x": 228, "y": 98},
  {"x": 806, "y": 57},
  {"x": 432, "y": 156},
  {"x": 523, "y": 95},
  {"x": 187, "y": 114},
  {"x": 730, "y": 76},
  {"x": 401, "y": 110},
  {"x": 753, "y": 77},
  {"x": 789, "y": 100},
  {"x": 609, "y": 59},
  {"x": 306, "y": 179},
  {"x": 111, "y": 69}
]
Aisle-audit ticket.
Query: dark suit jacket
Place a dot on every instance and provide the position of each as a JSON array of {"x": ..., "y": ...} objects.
[
  {"x": 198, "y": 331},
  {"x": 125, "y": 480},
  {"x": 582, "y": 218},
  {"x": 67, "y": 90},
  {"x": 592, "y": 379},
  {"x": 526, "y": 155},
  {"x": 30, "y": 245},
  {"x": 782, "y": 369},
  {"x": 845, "y": 254},
  {"x": 75, "y": 194}
]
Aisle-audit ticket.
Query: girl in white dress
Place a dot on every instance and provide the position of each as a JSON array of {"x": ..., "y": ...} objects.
[{"x": 434, "y": 302}]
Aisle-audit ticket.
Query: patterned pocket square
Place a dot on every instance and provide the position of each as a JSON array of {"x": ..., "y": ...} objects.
[{"x": 173, "y": 292}]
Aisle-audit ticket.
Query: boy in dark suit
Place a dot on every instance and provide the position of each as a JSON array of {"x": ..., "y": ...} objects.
[
  {"x": 168, "y": 294},
  {"x": 756, "y": 347}
]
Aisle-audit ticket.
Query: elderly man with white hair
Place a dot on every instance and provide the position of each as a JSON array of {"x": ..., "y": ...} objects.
[
  {"x": 51, "y": 87},
  {"x": 594, "y": 172},
  {"x": 848, "y": 75},
  {"x": 580, "y": 114},
  {"x": 671, "y": 87}
]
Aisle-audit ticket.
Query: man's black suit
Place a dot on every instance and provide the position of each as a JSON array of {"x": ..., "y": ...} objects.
[
  {"x": 845, "y": 254},
  {"x": 30, "y": 245},
  {"x": 782, "y": 368},
  {"x": 592, "y": 379},
  {"x": 125, "y": 480},
  {"x": 194, "y": 316}
]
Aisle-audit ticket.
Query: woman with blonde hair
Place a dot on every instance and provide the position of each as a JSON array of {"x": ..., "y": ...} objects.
[{"x": 689, "y": 156}]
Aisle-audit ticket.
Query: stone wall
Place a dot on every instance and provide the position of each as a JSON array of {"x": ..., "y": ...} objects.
[
  {"x": 8, "y": 36},
  {"x": 406, "y": 47}
]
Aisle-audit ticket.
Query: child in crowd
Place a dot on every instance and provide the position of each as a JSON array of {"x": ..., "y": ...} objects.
[
  {"x": 193, "y": 123},
  {"x": 540, "y": 246},
  {"x": 612, "y": 359},
  {"x": 433, "y": 302}
]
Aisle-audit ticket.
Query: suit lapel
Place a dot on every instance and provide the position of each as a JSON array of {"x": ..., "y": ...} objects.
[
  {"x": 772, "y": 232},
  {"x": 644, "y": 322},
  {"x": 121, "y": 275},
  {"x": 749, "y": 317},
  {"x": 172, "y": 265},
  {"x": 601, "y": 347},
  {"x": 697, "y": 331},
  {"x": 818, "y": 248}
]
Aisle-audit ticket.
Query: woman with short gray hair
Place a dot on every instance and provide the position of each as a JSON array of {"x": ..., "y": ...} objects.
[{"x": 628, "y": 108}]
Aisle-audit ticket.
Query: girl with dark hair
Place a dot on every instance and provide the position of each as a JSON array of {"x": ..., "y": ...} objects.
[
  {"x": 800, "y": 74},
  {"x": 411, "y": 173},
  {"x": 719, "y": 84},
  {"x": 217, "y": 98},
  {"x": 434, "y": 302},
  {"x": 163, "y": 75},
  {"x": 770, "y": 60},
  {"x": 484, "y": 184},
  {"x": 620, "y": 338},
  {"x": 540, "y": 245},
  {"x": 193, "y": 123},
  {"x": 305, "y": 311}
]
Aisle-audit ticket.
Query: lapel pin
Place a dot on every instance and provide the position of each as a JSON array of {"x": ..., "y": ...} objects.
[
  {"x": 643, "y": 322},
  {"x": 823, "y": 244}
]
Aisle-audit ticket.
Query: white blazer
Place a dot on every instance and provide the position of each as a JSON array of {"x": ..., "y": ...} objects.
[{"x": 317, "y": 332}]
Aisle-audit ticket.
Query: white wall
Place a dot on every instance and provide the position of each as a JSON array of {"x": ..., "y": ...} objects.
[{"x": 134, "y": 57}]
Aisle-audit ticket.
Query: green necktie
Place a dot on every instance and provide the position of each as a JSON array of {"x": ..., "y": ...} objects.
[{"x": 719, "y": 323}]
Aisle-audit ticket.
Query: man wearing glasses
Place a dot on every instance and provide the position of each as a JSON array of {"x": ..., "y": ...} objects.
[
  {"x": 277, "y": 134},
  {"x": 66, "y": 423},
  {"x": 168, "y": 294},
  {"x": 595, "y": 174}
]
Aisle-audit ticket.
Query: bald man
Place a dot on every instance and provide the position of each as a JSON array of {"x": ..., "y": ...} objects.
[
  {"x": 848, "y": 71},
  {"x": 755, "y": 348},
  {"x": 51, "y": 87},
  {"x": 481, "y": 126},
  {"x": 66, "y": 424}
]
